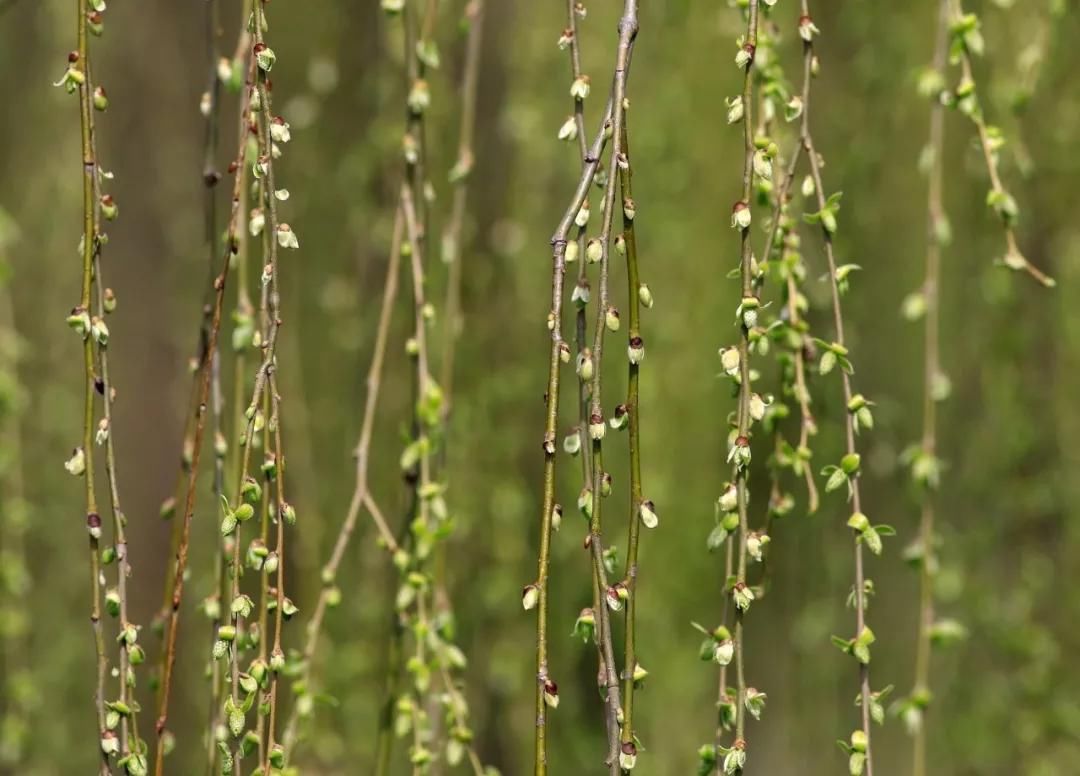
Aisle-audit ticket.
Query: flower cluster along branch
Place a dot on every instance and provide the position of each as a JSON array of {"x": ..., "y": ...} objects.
[
  {"x": 204, "y": 374},
  {"x": 118, "y": 735},
  {"x": 535, "y": 594},
  {"x": 846, "y": 475},
  {"x": 966, "y": 42}
]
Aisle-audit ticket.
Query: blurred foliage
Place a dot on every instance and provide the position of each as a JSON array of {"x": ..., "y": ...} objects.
[{"x": 1005, "y": 700}]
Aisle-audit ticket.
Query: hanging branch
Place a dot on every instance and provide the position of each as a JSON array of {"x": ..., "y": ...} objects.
[
  {"x": 204, "y": 387},
  {"x": 642, "y": 511},
  {"x": 739, "y": 452},
  {"x": 966, "y": 42},
  {"x": 459, "y": 176},
  {"x": 131, "y": 754},
  {"x": 535, "y": 594},
  {"x": 330, "y": 595},
  {"x": 846, "y": 474},
  {"x": 81, "y": 463}
]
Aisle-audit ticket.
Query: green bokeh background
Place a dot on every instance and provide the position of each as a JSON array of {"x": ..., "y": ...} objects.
[{"x": 1006, "y": 700}]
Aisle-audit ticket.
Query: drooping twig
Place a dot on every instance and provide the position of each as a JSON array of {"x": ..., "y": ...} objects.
[
  {"x": 936, "y": 224},
  {"x": 204, "y": 390},
  {"x": 76, "y": 78},
  {"x": 739, "y": 454},
  {"x": 966, "y": 42},
  {"x": 848, "y": 472}
]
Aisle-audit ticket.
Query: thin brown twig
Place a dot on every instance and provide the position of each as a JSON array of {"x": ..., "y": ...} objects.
[
  {"x": 189, "y": 504},
  {"x": 859, "y": 593}
]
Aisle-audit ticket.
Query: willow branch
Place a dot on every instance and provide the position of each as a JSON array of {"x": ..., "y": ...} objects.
[
  {"x": 859, "y": 593},
  {"x": 189, "y": 502},
  {"x": 360, "y": 496},
  {"x": 935, "y": 220},
  {"x": 741, "y": 471},
  {"x": 83, "y": 457},
  {"x": 999, "y": 197}
]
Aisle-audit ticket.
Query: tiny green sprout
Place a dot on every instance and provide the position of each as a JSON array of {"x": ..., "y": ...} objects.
[
  {"x": 621, "y": 418},
  {"x": 551, "y": 694},
  {"x": 735, "y": 109},
  {"x": 585, "y": 502},
  {"x": 843, "y": 275},
  {"x": 744, "y": 57},
  {"x": 1004, "y": 205},
  {"x": 755, "y": 545},
  {"x": 628, "y": 756},
  {"x": 277, "y": 661},
  {"x": 793, "y": 109},
  {"x": 572, "y": 442},
  {"x": 530, "y": 596},
  {"x": 289, "y": 609},
  {"x": 594, "y": 250},
  {"x": 585, "y": 625},
  {"x": 743, "y": 596},
  {"x": 270, "y": 563},
  {"x": 596, "y": 427},
  {"x": 729, "y": 499},
  {"x": 740, "y": 215},
  {"x": 264, "y": 57},
  {"x": 827, "y": 215},
  {"x": 635, "y": 350},
  {"x": 735, "y": 757},
  {"x": 620, "y": 244},
  {"x": 101, "y": 100},
  {"x": 611, "y": 319},
  {"x": 729, "y": 361},
  {"x": 947, "y": 632},
  {"x": 585, "y": 365},
  {"x": 78, "y": 320},
  {"x": 392, "y": 7},
  {"x": 807, "y": 28},
  {"x": 629, "y": 209},
  {"x": 755, "y": 702},
  {"x": 739, "y": 453},
  {"x": 647, "y": 512},
  {"x": 616, "y": 595},
  {"x": 112, "y": 602},
  {"x": 76, "y": 463},
  {"x": 581, "y": 293},
  {"x": 580, "y": 88},
  {"x": 582, "y": 216},
  {"x": 286, "y": 237},
  {"x": 568, "y": 130},
  {"x": 645, "y": 296}
]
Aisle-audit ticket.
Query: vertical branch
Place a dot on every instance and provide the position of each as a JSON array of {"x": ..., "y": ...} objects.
[
  {"x": 459, "y": 176},
  {"x": 739, "y": 454},
  {"x": 180, "y": 566},
  {"x": 936, "y": 224},
  {"x": 848, "y": 472},
  {"x": 641, "y": 511},
  {"x": 76, "y": 78},
  {"x": 116, "y": 599},
  {"x": 966, "y": 42}
]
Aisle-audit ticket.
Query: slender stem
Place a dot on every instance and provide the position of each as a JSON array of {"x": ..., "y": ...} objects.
[
  {"x": 558, "y": 243},
  {"x": 360, "y": 497},
  {"x": 1014, "y": 259},
  {"x": 93, "y": 519},
  {"x": 849, "y": 420},
  {"x": 741, "y": 472},
  {"x": 189, "y": 503},
  {"x": 128, "y": 723},
  {"x": 935, "y": 216},
  {"x": 634, "y": 431},
  {"x": 452, "y": 244}
]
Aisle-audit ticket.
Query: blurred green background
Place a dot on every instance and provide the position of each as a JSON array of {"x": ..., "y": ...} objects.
[{"x": 1006, "y": 701}]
